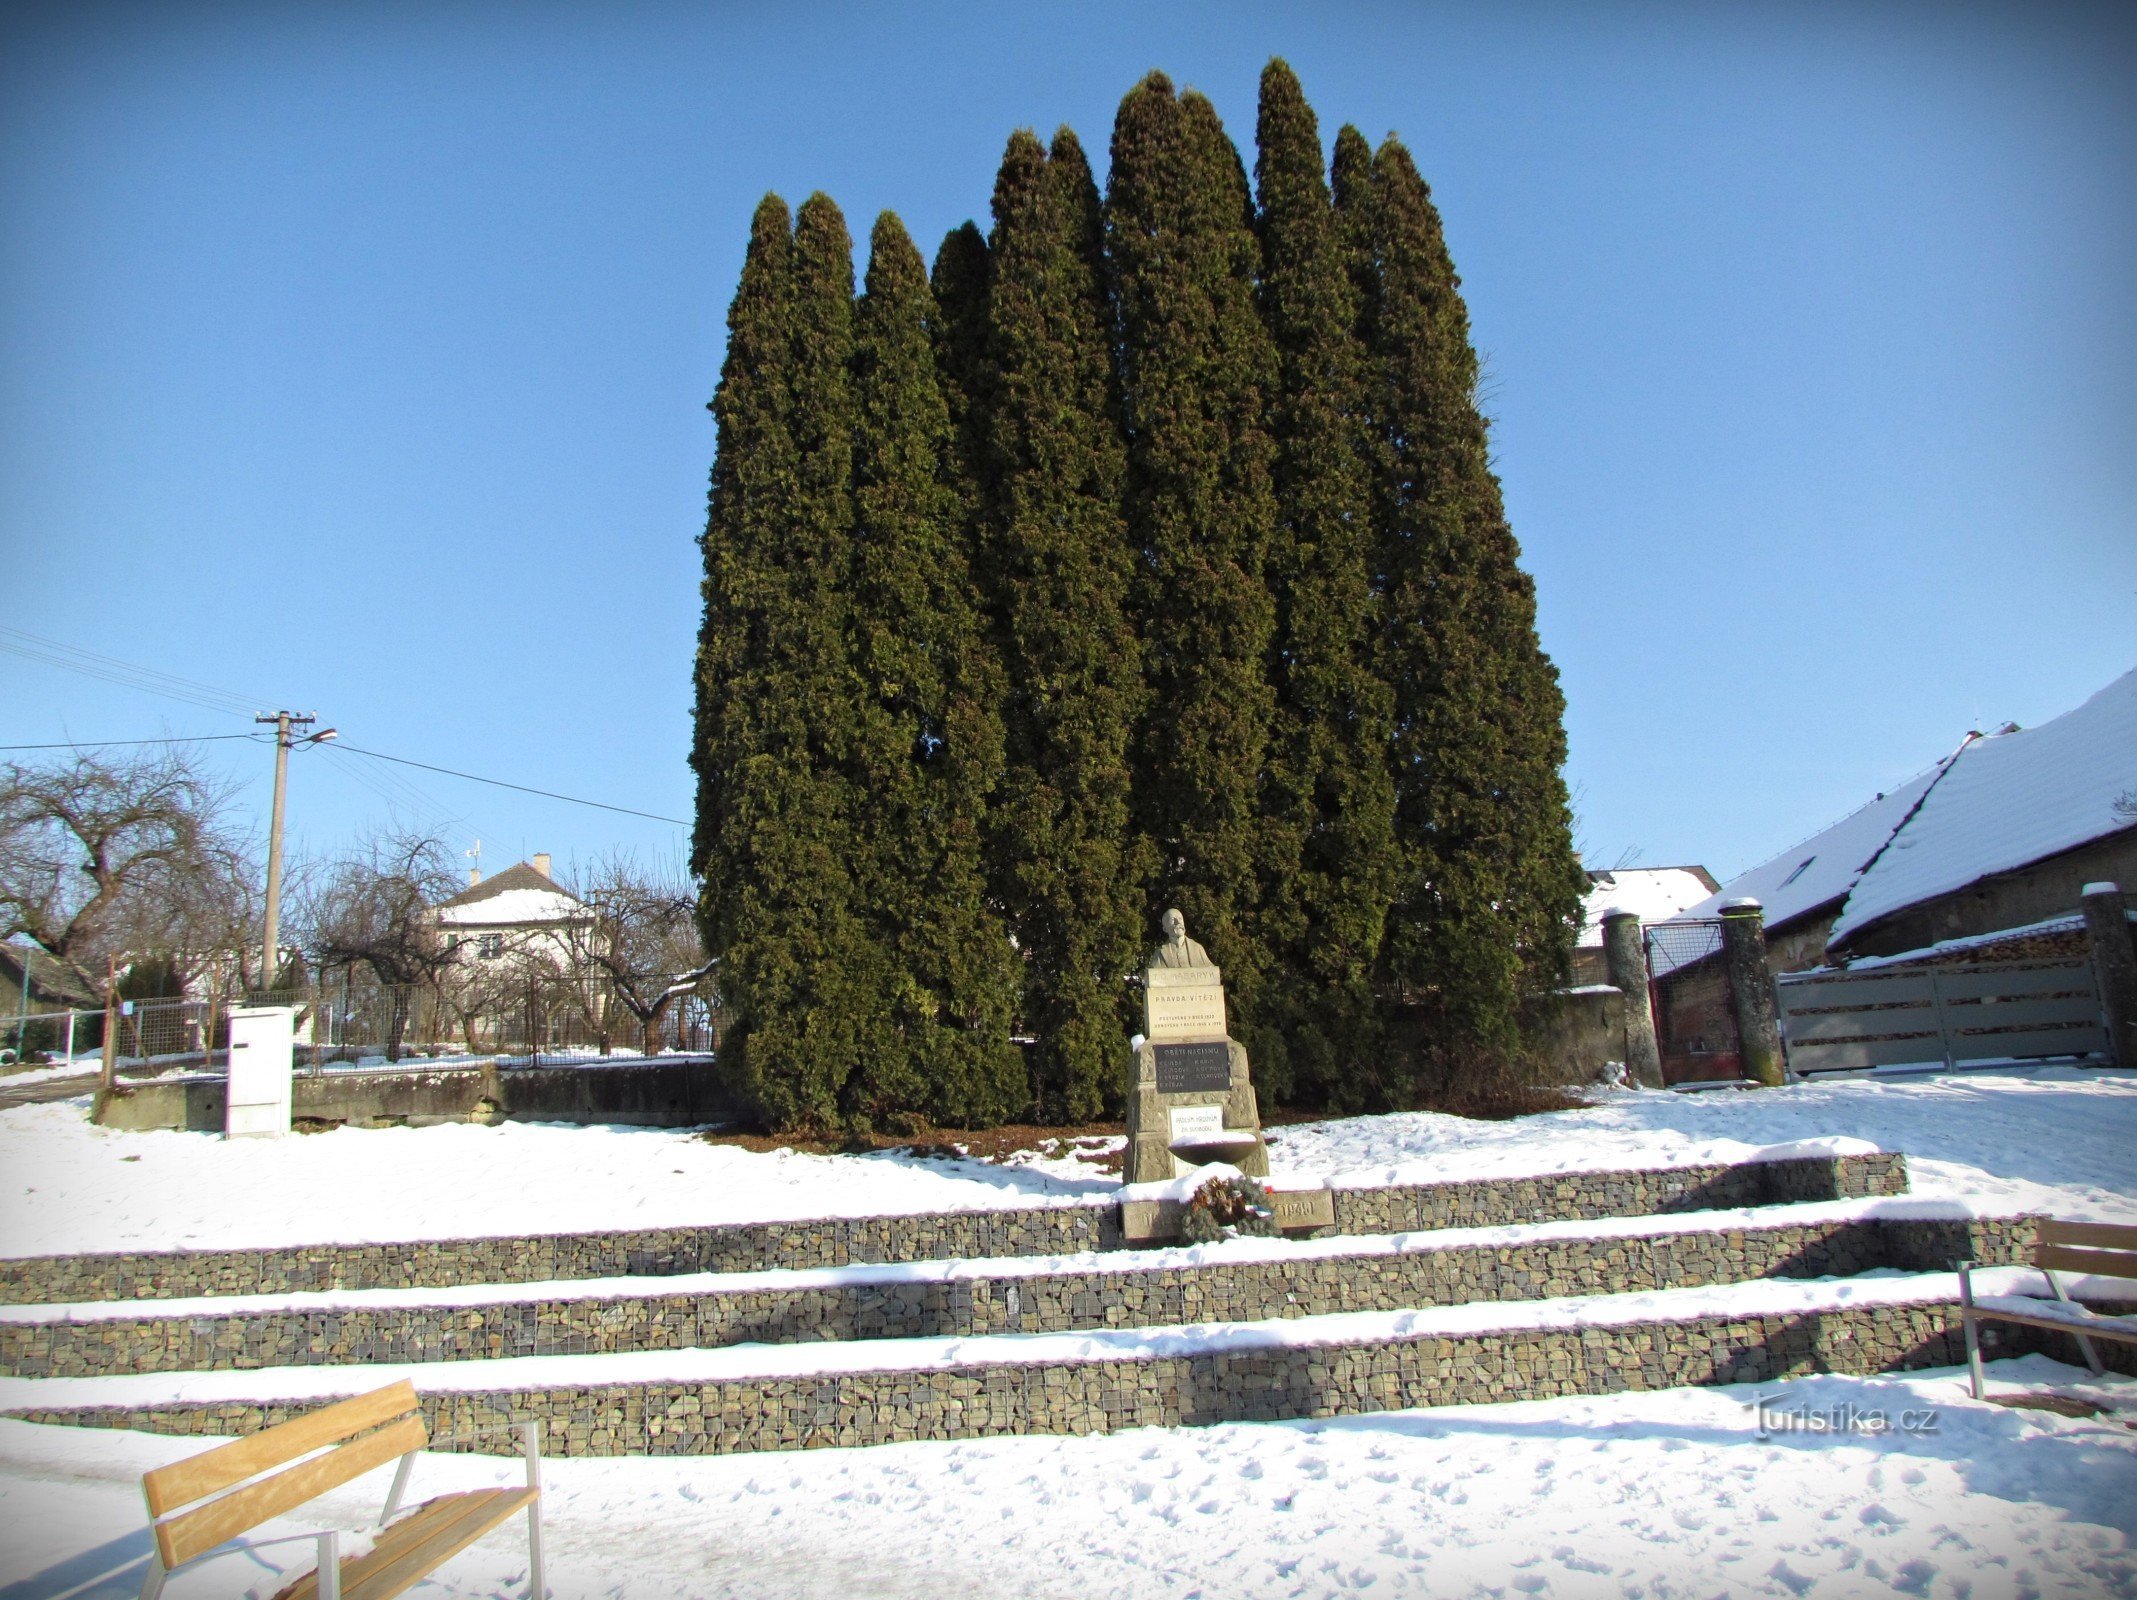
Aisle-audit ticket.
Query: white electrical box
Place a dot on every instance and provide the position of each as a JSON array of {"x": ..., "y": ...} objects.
[{"x": 261, "y": 1040}]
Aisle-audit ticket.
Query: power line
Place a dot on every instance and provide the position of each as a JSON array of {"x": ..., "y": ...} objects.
[
  {"x": 111, "y": 669},
  {"x": 128, "y": 674},
  {"x": 499, "y": 783},
  {"x": 113, "y": 744}
]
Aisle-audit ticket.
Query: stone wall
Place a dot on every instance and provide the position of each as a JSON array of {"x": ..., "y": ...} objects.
[
  {"x": 1577, "y": 1032},
  {"x": 1052, "y": 1302},
  {"x": 936, "y": 1236},
  {"x": 883, "y": 1407},
  {"x": 650, "y": 1252},
  {"x": 670, "y": 1092},
  {"x": 1630, "y": 1193}
]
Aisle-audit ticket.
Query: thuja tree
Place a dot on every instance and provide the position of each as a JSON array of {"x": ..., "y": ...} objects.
[
  {"x": 1330, "y": 795},
  {"x": 958, "y": 327},
  {"x": 776, "y": 813},
  {"x": 1489, "y": 883},
  {"x": 926, "y": 736},
  {"x": 1197, "y": 371},
  {"x": 1058, "y": 567}
]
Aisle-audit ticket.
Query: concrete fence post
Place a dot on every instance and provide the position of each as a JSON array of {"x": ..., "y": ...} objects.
[
  {"x": 1751, "y": 992},
  {"x": 1625, "y": 959},
  {"x": 2114, "y": 963}
]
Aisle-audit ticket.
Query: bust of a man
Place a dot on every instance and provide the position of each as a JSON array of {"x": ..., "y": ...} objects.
[{"x": 1178, "y": 950}]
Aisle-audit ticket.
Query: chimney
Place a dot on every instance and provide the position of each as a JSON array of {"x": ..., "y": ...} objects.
[
  {"x": 474, "y": 876},
  {"x": 541, "y": 862}
]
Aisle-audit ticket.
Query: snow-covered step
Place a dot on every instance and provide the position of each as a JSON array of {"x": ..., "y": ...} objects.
[
  {"x": 1379, "y": 1203},
  {"x": 1241, "y": 1280},
  {"x": 761, "y": 1397}
]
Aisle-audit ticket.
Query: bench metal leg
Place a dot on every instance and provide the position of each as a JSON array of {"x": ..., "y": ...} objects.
[
  {"x": 2092, "y": 1355},
  {"x": 330, "y": 1566},
  {"x": 1966, "y": 1317},
  {"x": 531, "y": 1434},
  {"x": 152, "y": 1585},
  {"x": 400, "y": 1487}
]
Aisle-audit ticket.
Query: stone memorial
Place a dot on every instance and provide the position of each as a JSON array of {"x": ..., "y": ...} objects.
[{"x": 1190, "y": 1101}]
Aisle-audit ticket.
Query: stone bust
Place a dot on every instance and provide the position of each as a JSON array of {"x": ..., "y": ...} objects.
[{"x": 1178, "y": 950}]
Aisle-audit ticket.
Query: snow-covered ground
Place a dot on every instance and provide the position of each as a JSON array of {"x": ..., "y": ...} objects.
[
  {"x": 2059, "y": 1139},
  {"x": 1652, "y": 1496}
]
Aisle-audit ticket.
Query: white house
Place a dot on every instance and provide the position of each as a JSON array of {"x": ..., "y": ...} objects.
[{"x": 518, "y": 913}]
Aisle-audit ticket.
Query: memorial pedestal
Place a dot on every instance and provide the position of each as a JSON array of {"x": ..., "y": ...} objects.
[{"x": 1190, "y": 1100}]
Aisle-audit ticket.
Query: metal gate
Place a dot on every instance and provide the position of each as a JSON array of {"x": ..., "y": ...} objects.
[
  {"x": 1688, "y": 984},
  {"x": 1989, "y": 1011}
]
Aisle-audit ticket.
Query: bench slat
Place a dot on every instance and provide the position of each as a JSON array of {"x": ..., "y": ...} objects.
[
  {"x": 2105, "y": 1263},
  {"x": 2100, "y": 1328},
  {"x": 183, "y": 1482},
  {"x": 2105, "y": 1235},
  {"x": 191, "y": 1533},
  {"x": 419, "y": 1544}
]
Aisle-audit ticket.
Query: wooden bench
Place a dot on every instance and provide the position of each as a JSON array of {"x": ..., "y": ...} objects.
[
  {"x": 2094, "y": 1247},
  {"x": 198, "y": 1507}
]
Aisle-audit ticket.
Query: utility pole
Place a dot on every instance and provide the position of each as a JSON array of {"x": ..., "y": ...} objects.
[{"x": 284, "y": 721}]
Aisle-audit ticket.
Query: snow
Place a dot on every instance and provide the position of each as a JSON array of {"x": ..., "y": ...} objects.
[
  {"x": 1652, "y": 893},
  {"x": 1681, "y": 1493},
  {"x": 2008, "y": 800},
  {"x": 1975, "y": 941},
  {"x": 1824, "y": 867},
  {"x": 2055, "y": 1139},
  {"x": 513, "y": 907},
  {"x": 50, "y": 1072}
]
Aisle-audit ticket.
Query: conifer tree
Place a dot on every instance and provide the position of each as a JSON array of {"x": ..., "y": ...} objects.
[
  {"x": 959, "y": 325},
  {"x": 1197, "y": 371},
  {"x": 775, "y": 687},
  {"x": 1331, "y": 795},
  {"x": 1490, "y": 882},
  {"x": 927, "y": 738},
  {"x": 1057, "y": 569}
]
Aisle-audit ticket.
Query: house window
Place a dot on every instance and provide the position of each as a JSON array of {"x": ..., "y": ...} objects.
[
  {"x": 1801, "y": 867},
  {"x": 493, "y": 946}
]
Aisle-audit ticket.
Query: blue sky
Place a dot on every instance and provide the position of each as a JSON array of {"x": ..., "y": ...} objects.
[{"x": 354, "y": 358}]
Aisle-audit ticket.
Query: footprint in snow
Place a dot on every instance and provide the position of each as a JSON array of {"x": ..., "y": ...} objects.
[
  {"x": 1914, "y": 1577},
  {"x": 1874, "y": 1515},
  {"x": 1788, "y": 1578}
]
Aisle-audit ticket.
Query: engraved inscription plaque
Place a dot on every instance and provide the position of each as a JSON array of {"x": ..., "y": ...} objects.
[
  {"x": 1183, "y": 1003},
  {"x": 1189, "y": 1068},
  {"x": 1197, "y": 1124}
]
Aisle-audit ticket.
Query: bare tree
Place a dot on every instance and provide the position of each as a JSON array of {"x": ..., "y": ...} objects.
[
  {"x": 373, "y": 908},
  {"x": 642, "y": 942},
  {"x": 108, "y": 857}
]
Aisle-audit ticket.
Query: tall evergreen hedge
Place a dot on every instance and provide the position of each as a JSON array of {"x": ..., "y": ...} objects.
[
  {"x": 1148, "y": 552},
  {"x": 1059, "y": 573},
  {"x": 1490, "y": 884},
  {"x": 1330, "y": 791},
  {"x": 800, "y": 972},
  {"x": 1198, "y": 369},
  {"x": 928, "y": 734}
]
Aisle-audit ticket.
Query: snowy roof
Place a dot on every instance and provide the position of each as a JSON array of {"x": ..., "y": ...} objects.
[
  {"x": 2008, "y": 800},
  {"x": 518, "y": 895},
  {"x": 1822, "y": 869},
  {"x": 1652, "y": 892}
]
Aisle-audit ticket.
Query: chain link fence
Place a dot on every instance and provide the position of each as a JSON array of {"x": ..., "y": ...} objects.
[
  {"x": 1695, "y": 1023},
  {"x": 345, "y": 1021}
]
